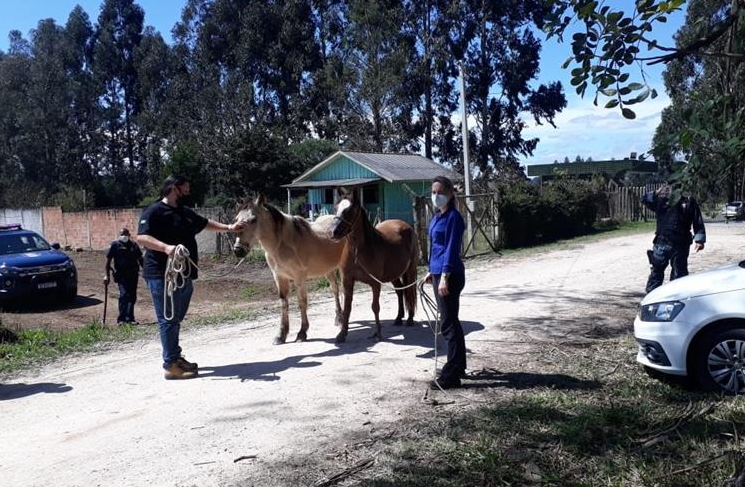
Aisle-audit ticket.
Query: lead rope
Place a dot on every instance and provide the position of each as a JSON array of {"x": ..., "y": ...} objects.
[
  {"x": 178, "y": 270},
  {"x": 433, "y": 321}
]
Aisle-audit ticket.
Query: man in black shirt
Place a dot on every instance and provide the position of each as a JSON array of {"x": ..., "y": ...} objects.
[
  {"x": 127, "y": 258},
  {"x": 673, "y": 235},
  {"x": 163, "y": 226}
]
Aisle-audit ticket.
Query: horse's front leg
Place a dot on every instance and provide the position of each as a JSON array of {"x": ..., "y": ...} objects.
[
  {"x": 378, "y": 335},
  {"x": 302, "y": 300},
  {"x": 348, "y": 284},
  {"x": 331, "y": 276},
  {"x": 283, "y": 286}
]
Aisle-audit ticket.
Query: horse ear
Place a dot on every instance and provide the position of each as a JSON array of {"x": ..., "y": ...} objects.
[
  {"x": 260, "y": 200},
  {"x": 340, "y": 192}
]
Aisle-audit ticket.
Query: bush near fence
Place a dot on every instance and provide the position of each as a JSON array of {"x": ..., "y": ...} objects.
[{"x": 562, "y": 208}]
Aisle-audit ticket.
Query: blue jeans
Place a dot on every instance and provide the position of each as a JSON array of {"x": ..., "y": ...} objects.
[
  {"x": 663, "y": 253},
  {"x": 169, "y": 329}
]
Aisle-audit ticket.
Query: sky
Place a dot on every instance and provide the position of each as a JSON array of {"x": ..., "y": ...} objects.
[{"x": 582, "y": 129}]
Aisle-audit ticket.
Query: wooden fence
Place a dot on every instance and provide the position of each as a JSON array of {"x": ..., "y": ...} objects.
[
  {"x": 624, "y": 203},
  {"x": 482, "y": 209}
]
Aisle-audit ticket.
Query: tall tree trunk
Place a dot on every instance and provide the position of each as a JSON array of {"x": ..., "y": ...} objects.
[{"x": 428, "y": 115}]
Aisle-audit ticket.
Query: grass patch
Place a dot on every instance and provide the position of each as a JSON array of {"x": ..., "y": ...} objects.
[
  {"x": 250, "y": 291},
  {"x": 31, "y": 348},
  {"x": 39, "y": 346},
  {"x": 320, "y": 284},
  {"x": 607, "y": 428}
]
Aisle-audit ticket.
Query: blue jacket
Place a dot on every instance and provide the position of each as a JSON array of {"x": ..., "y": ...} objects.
[{"x": 446, "y": 238}]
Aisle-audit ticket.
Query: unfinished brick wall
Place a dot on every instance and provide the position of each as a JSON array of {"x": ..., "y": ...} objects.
[{"x": 53, "y": 225}]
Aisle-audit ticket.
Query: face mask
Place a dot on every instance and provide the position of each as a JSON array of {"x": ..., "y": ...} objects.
[
  {"x": 124, "y": 238},
  {"x": 183, "y": 200},
  {"x": 439, "y": 200}
]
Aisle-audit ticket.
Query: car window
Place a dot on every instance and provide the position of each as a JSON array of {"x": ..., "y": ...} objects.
[{"x": 17, "y": 244}]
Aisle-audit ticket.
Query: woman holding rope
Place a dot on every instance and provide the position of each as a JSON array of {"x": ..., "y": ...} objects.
[
  {"x": 167, "y": 229},
  {"x": 447, "y": 275}
]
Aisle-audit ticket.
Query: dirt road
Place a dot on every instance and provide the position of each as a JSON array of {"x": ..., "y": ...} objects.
[{"x": 111, "y": 419}]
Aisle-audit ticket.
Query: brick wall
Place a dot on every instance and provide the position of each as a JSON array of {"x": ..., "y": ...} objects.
[{"x": 95, "y": 229}]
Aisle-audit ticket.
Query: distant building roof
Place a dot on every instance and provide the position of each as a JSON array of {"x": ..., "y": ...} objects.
[
  {"x": 391, "y": 167},
  {"x": 331, "y": 183},
  {"x": 611, "y": 168}
]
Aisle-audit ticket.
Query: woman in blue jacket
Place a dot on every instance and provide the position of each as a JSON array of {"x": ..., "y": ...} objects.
[{"x": 447, "y": 274}]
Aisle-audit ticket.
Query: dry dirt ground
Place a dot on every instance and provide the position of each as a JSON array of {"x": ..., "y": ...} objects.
[
  {"x": 249, "y": 286},
  {"x": 296, "y": 410}
]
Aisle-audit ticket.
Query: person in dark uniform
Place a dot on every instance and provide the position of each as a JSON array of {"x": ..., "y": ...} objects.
[
  {"x": 163, "y": 226},
  {"x": 127, "y": 258},
  {"x": 673, "y": 236}
]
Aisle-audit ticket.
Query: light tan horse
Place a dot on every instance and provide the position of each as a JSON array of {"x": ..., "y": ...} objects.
[
  {"x": 387, "y": 252},
  {"x": 295, "y": 250}
]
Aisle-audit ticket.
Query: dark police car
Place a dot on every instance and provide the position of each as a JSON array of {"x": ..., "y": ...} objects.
[{"x": 30, "y": 267}]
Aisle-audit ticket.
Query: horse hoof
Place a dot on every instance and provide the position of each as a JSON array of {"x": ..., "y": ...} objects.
[
  {"x": 376, "y": 337},
  {"x": 278, "y": 340},
  {"x": 301, "y": 337},
  {"x": 409, "y": 322},
  {"x": 398, "y": 322},
  {"x": 341, "y": 338}
]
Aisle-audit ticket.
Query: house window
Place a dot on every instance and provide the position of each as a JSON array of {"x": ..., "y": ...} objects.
[
  {"x": 370, "y": 194},
  {"x": 328, "y": 196}
]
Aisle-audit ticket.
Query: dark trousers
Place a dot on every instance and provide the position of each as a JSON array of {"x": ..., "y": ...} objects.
[
  {"x": 451, "y": 329},
  {"x": 127, "y": 299},
  {"x": 664, "y": 253}
]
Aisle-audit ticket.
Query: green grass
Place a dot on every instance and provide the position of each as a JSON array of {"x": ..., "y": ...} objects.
[
  {"x": 40, "y": 346},
  {"x": 582, "y": 422},
  {"x": 250, "y": 291}
]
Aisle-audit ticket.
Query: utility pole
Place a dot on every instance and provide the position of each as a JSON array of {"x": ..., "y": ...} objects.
[{"x": 466, "y": 159}]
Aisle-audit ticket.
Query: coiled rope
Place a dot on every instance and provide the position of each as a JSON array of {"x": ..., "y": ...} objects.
[{"x": 178, "y": 269}]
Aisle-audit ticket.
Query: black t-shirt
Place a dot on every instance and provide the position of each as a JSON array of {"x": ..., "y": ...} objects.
[
  {"x": 171, "y": 225},
  {"x": 126, "y": 257}
]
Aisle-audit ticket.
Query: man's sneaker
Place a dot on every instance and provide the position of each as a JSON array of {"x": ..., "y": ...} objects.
[
  {"x": 175, "y": 372},
  {"x": 186, "y": 365}
]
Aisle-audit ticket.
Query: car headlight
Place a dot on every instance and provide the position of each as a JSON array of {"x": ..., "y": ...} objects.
[
  {"x": 661, "y": 311},
  {"x": 8, "y": 271},
  {"x": 69, "y": 264}
]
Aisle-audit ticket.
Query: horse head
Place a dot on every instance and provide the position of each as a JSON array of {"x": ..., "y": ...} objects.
[
  {"x": 348, "y": 212},
  {"x": 251, "y": 212}
]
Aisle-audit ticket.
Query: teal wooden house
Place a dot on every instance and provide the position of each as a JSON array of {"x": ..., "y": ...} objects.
[{"x": 388, "y": 182}]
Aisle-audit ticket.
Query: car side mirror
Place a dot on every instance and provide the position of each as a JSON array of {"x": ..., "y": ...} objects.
[{"x": 55, "y": 246}]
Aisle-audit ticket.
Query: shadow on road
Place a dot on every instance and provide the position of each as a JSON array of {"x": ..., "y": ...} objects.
[
  {"x": 17, "y": 391},
  {"x": 358, "y": 341}
]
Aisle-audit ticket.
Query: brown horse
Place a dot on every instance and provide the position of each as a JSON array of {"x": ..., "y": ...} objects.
[
  {"x": 295, "y": 250},
  {"x": 387, "y": 252}
]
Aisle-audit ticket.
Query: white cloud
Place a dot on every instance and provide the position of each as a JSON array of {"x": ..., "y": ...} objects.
[{"x": 589, "y": 131}]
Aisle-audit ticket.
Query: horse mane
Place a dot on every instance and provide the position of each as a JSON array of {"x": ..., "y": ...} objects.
[{"x": 299, "y": 224}]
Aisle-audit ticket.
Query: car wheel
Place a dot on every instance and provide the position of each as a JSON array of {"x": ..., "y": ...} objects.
[
  {"x": 71, "y": 294},
  {"x": 719, "y": 362}
]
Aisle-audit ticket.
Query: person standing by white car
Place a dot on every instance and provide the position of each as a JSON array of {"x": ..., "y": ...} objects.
[{"x": 673, "y": 237}]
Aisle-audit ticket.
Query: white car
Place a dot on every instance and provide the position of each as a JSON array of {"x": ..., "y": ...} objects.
[
  {"x": 733, "y": 211},
  {"x": 695, "y": 327}
]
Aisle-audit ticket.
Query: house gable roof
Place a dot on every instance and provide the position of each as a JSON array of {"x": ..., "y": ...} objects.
[{"x": 391, "y": 167}]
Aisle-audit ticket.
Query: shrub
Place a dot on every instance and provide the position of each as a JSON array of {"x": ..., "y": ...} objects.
[{"x": 562, "y": 208}]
